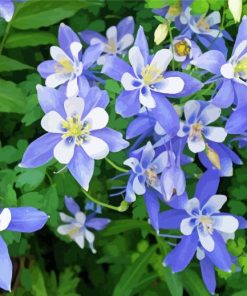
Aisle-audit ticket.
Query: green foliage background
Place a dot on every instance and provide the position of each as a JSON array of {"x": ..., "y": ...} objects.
[{"x": 130, "y": 255}]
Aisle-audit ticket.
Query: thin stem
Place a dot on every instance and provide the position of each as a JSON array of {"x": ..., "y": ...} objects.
[
  {"x": 170, "y": 236},
  {"x": 118, "y": 209},
  {"x": 171, "y": 41},
  {"x": 116, "y": 166},
  {"x": 5, "y": 36}
]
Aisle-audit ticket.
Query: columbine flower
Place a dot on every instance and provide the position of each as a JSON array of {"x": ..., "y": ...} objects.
[
  {"x": 69, "y": 65},
  {"x": 231, "y": 75},
  {"x": 202, "y": 225},
  {"x": 185, "y": 50},
  {"x": 23, "y": 219},
  {"x": 145, "y": 83},
  {"x": 7, "y": 9},
  {"x": 77, "y": 133},
  {"x": 118, "y": 39},
  {"x": 197, "y": 117},
  {"x": 76, "y": 227}
]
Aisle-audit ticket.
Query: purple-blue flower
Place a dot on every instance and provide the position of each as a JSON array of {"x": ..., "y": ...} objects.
[
  {"x": 69, "y": 66},
  {"x": 7, "y": 9},
  {"x": 230, "y": 75},
  {"x": 145, "y": 83},
  {"x": 202, "y": 226},
  {"x": 197, "y": 117},
  {"x": 76, "y": 133},
  {"x": 76, "y": 227},
  {"x": 23, "y": 219},
  {"x": 118, "y": 39}
]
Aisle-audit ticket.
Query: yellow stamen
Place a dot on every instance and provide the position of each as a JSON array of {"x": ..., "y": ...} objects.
[
  {"x": 111, "y": 46},
  {"x": 182, "y": 48},
  {"x": 151, "y": 176},
  {"x": 203, "y": 24},
  {"x": 73, "y": 231},
  {"x": 207, "y": 224},
  {"x": 196, "y": 130},
  {"x": 241, "y": 68},
  {"x": 76, "y": 129},
  {"x": 174, "y": 10},
  {"x": 151, "y": 74},
  {"x": 64, "y": 66}
]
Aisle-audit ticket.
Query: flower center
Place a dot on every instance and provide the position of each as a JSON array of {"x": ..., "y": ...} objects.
[
  {"x": 151, "y": 177},
  {"x": 182, "y": 48},
  {"x": 207, "y": 224},
  {"x": 241, "y": 68},
  {"x": 73, "y": 231},
  {"x": 203, "y": 24},
  {"x": 76, "y": 129},
  {"x": 64, "y": 66},
  {"x": 174, "y": 10},
  {"x": 196, "y": 131},
  {"x": 111, "y": 46},
  {"x": 151, "y": 74}
]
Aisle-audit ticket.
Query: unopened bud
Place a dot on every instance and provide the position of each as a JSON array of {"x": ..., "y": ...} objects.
[
  {"x": 123, "y": 206},
  {"x": 213, "y": 156},
  {"x": 235, "y": 6},
  {"x": 161, "y": 32}
]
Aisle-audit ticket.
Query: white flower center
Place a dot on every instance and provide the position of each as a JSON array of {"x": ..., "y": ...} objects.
[
  {"x": 152, "y": 177},
  {"x": 151, "y": 74},
  {"x": 207, "y": 224},
  {"x": 203, "y": 25},
  {"x": 196, "y": 131}
]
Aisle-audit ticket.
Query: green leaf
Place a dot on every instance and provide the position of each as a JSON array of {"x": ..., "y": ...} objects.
[
  {"x": 30, "y": 38},
  {"x": 31, "y": 199},
  {"x": 132, "y": 275},
  {"x": 9, "y": 65},
  {"x": 38, "y": 283},
  {"x": 116, "y": 227},
  {"x": 155, "y": 3},
  {"x": 199, "y": 6},
  {"x": 39, "y": 13},
  {"x": 68, "y": 282},
  {"x": 11, "y": 97},
  {"x": 193, "y": 283},
  {"x": 241, "y": 293},
  {"x": 173, "y": 282},
  {"x": 29, "y": 179}
]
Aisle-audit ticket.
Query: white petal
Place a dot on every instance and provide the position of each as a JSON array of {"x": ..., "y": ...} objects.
[
  {"x": 56, "y": 79},
  {"x": 129, "y": 82},
  {"x": 227, "y": 224},
  {"x": 200, "y": 254},
  {"x": 132, "y": 162},
  {"x": 139, "y": 188},
  {"x": 74, "y": 106},
  {"x": 79, "y": 239},
  {"x": 136, "y": 60},
  {"x": 240, "y": 48},
  {"x": 196, "y": 146},
  {"x": 5, "y": 218},
  {"x": 186, "y": 226},
  {"x": 216, "y": 134},
  {"x": 206, "y": 240},
  {"x": 58, "y": 54},
  {"x": 52, "y": 122},
  {"x": 95, "y": 147},
  {"x": 80, "y": 218},
  {"x": 66, "y": 218},
  {"x": 183, "y": 130},
  {"x": 66, "y": 229},
  {"x": 146, "y": 97},
  {"x": 162, "y": 59},
  {"x": 170, "y": 85},
  {"x": 102, "y": 59},
  {"x": 125, "y": 42},
  {"x": 64, "y": 151},
  {"x": 75, "y": 48},
  {"x": 111, "y": 34},
  {"x": 214, "y": 204},
  {"x": 97, "y": 118},
  {"x": 191, "y": 111},
  {"x": 227, "y": 70},
  {"x": 213, "y": 18},
  {"x": 192, "y": 205},
  {"x": 90, "y": 238},
  {"x": 209, "y": 114},
  {"x": 159, "y": 129},
  {"x": 72, "y": 88}
]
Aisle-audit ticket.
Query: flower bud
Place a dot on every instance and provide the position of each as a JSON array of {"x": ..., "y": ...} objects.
[
  {"x": 161, "y": 33},
  {"x": 213, "y": 156},
  {"x": 123, "y": 206},
  {"x": 235, "y": 7}
]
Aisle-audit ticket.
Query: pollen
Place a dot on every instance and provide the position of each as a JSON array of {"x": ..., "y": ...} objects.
[
  {"x": 182, "y": 48},
  {"x": 151, "y": 176},
  {"x": 151, "y": 74},
  {"x": 111, "y": 47},
  {"x": 207, "y": 224},
  {"x": 203, "y": 24},
  {"x": 174, "y": 10},
  {"x": 64, "y": 66},
  {"x": 241, "y": 68},
  {"x": 196, "y": 131},
  {"x": 76, "y": 129}
]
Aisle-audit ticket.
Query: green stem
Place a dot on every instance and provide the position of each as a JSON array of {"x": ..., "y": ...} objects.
[
  {"x": 116, "y": 166},
  {"x": 171, "y": 42},
  {"x": 122, "y": 208},
  {"x": 5, "y": 36}
]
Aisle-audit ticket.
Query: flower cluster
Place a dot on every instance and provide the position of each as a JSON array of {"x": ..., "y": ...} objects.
[{"x": 170, "y": 126}]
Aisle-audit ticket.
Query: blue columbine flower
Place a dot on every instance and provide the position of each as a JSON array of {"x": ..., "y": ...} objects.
[
  {"x": 23, "y": 219},
  {"x": 7, "y": 9},
  {"x": 69, "y": 66},
  {"x": 230, "y": 75},
  {"x": 184, "y": 50},
  {"x": 145, "y": 83},
  {"x": 76, "y": 227},
  {"x": 77, "y": 133},
  {"x": 118, "y": 39},
  {"x": 202, "y": 226},
  {"x": 197, "y": 116}
]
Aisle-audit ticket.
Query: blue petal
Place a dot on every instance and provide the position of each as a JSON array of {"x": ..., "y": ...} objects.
[
  {"x": 153, "y": 207},
  {"x": 71, "y": 205},
  {"x": 46, "y": 68},
  {"x": 91, "y": 55},
  {"x": 141, "y": 42},
  {"x": 240, "y": 90},
  {"x": 81, "y": 167},
  {"x": 97, "y": 223},
  {"x": 208, "y": 274},
  {"x": 171, "y": 219},
  {"x": 6, "y": 267},
  {"x": 237, "y": 122},
  {"x": 7, "y": 10},
  {"x": 179, "y": 258},
  {"x": 127, "y": 103},
  {"x": 88, "y": 35},
  {"x": 26, "y": 219},
  {"x": 114, "y": 67},
  {"x": 125, "y": 26},
  {"x": 135, "y": 127},
  {"x": 40, "y": 151},
  {"x": 242, "y": 33},
  {"x": 225, "y": 95}
]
